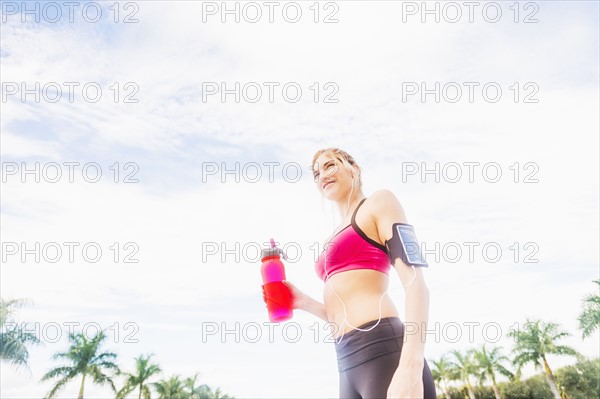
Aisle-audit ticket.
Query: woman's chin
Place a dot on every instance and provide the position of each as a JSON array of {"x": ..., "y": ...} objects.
[
  {"x": 332, "y": 195},
  {"x": 329, "y": 189},
  {"x": 327, "y": 195}
]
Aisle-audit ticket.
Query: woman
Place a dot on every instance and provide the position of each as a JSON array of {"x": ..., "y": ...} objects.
[{"x": 375, "y": 358}]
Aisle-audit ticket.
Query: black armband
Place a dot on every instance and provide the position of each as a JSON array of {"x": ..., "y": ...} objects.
[{"x": 404, "y": 245}]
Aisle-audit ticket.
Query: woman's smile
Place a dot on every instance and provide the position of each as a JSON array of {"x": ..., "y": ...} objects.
[{"x": 328, "y": 184}]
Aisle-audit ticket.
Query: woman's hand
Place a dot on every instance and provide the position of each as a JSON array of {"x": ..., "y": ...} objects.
[
  {"x": 299, "y": 298},
  {"x": 407, "y": 382}
]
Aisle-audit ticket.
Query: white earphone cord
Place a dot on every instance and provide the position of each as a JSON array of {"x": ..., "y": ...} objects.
[{"x": 343, "y": 304}]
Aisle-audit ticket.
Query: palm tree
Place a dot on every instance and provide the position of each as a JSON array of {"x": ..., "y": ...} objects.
[
  {"x": 465, "y": 366},
  {"x": 205, "y": 392},
  {"x": 172, "y": 388},
  {"x": 197, "y": 392},
  {"x": 442, "y": 372},
  {"x": 143, "y": 372},
  {"x": 535, "y": 343},
  {"x": 217, "y": 394},
  {"x": 488, "y": 363},
  {"x": 14, "y": 341},
  {"x": 589, "y": 319},
  {"x": 85, "y": 360}
]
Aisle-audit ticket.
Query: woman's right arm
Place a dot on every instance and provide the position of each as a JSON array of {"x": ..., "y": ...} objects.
[
  {"x": 304, "y": 302},
  {"x": 317, "y": 308}
]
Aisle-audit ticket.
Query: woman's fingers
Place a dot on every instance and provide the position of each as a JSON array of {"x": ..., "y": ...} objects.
[{"x": 297, "y": 295}]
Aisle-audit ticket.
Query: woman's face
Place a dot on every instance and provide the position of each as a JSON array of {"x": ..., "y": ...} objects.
[{"x": 332, "y": 179}]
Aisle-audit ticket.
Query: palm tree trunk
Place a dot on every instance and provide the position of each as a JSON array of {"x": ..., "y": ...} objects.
[
  {"x": 470, "y": 390},
  {"x": 551, "y": 380},
  {"x": 140, "y": 395},
  {"x": 80, "y": 396},
  {"x": 495, "y": 387},
  {"x": 496, "y": 391},
  {"x": 446, "y": 394}
]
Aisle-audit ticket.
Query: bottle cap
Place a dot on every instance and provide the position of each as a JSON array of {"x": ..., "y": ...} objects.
[{"x": 272, "y": 251}]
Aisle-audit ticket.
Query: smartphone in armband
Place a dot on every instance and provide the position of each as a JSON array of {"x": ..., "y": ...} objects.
[{"x": 404, "y": 244}]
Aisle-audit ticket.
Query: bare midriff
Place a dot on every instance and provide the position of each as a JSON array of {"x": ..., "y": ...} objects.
[{"x": 360, "y": 290}]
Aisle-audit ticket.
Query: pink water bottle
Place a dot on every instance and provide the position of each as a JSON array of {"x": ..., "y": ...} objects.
[{"x": 276, "y": 294}]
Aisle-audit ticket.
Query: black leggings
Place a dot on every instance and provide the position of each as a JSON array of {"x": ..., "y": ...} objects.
[{"x": 367, "y": 360}]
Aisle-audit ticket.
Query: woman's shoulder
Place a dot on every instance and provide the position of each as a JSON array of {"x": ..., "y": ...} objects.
[
  {"x": 383, "y": 196},
  {"x": 383, "y": 203}
]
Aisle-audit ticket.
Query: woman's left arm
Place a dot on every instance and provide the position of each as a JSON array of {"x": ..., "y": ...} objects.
[{"x": 408, "y": 378}]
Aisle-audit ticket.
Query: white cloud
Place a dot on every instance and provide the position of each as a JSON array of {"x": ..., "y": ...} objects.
[{"x": 170, "y": 214}]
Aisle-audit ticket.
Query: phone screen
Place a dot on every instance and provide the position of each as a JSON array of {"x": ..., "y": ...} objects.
[{"x": 411, "y": 245}]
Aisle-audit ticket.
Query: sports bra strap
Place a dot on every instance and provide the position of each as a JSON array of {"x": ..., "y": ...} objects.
[{"x": 353, "y": 221}]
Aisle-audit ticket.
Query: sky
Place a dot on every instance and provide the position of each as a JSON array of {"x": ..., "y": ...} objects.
[{"x": 166, "y": 142}]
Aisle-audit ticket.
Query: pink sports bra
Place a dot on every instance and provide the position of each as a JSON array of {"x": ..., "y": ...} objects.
[{"x": 351, "y": 249}]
